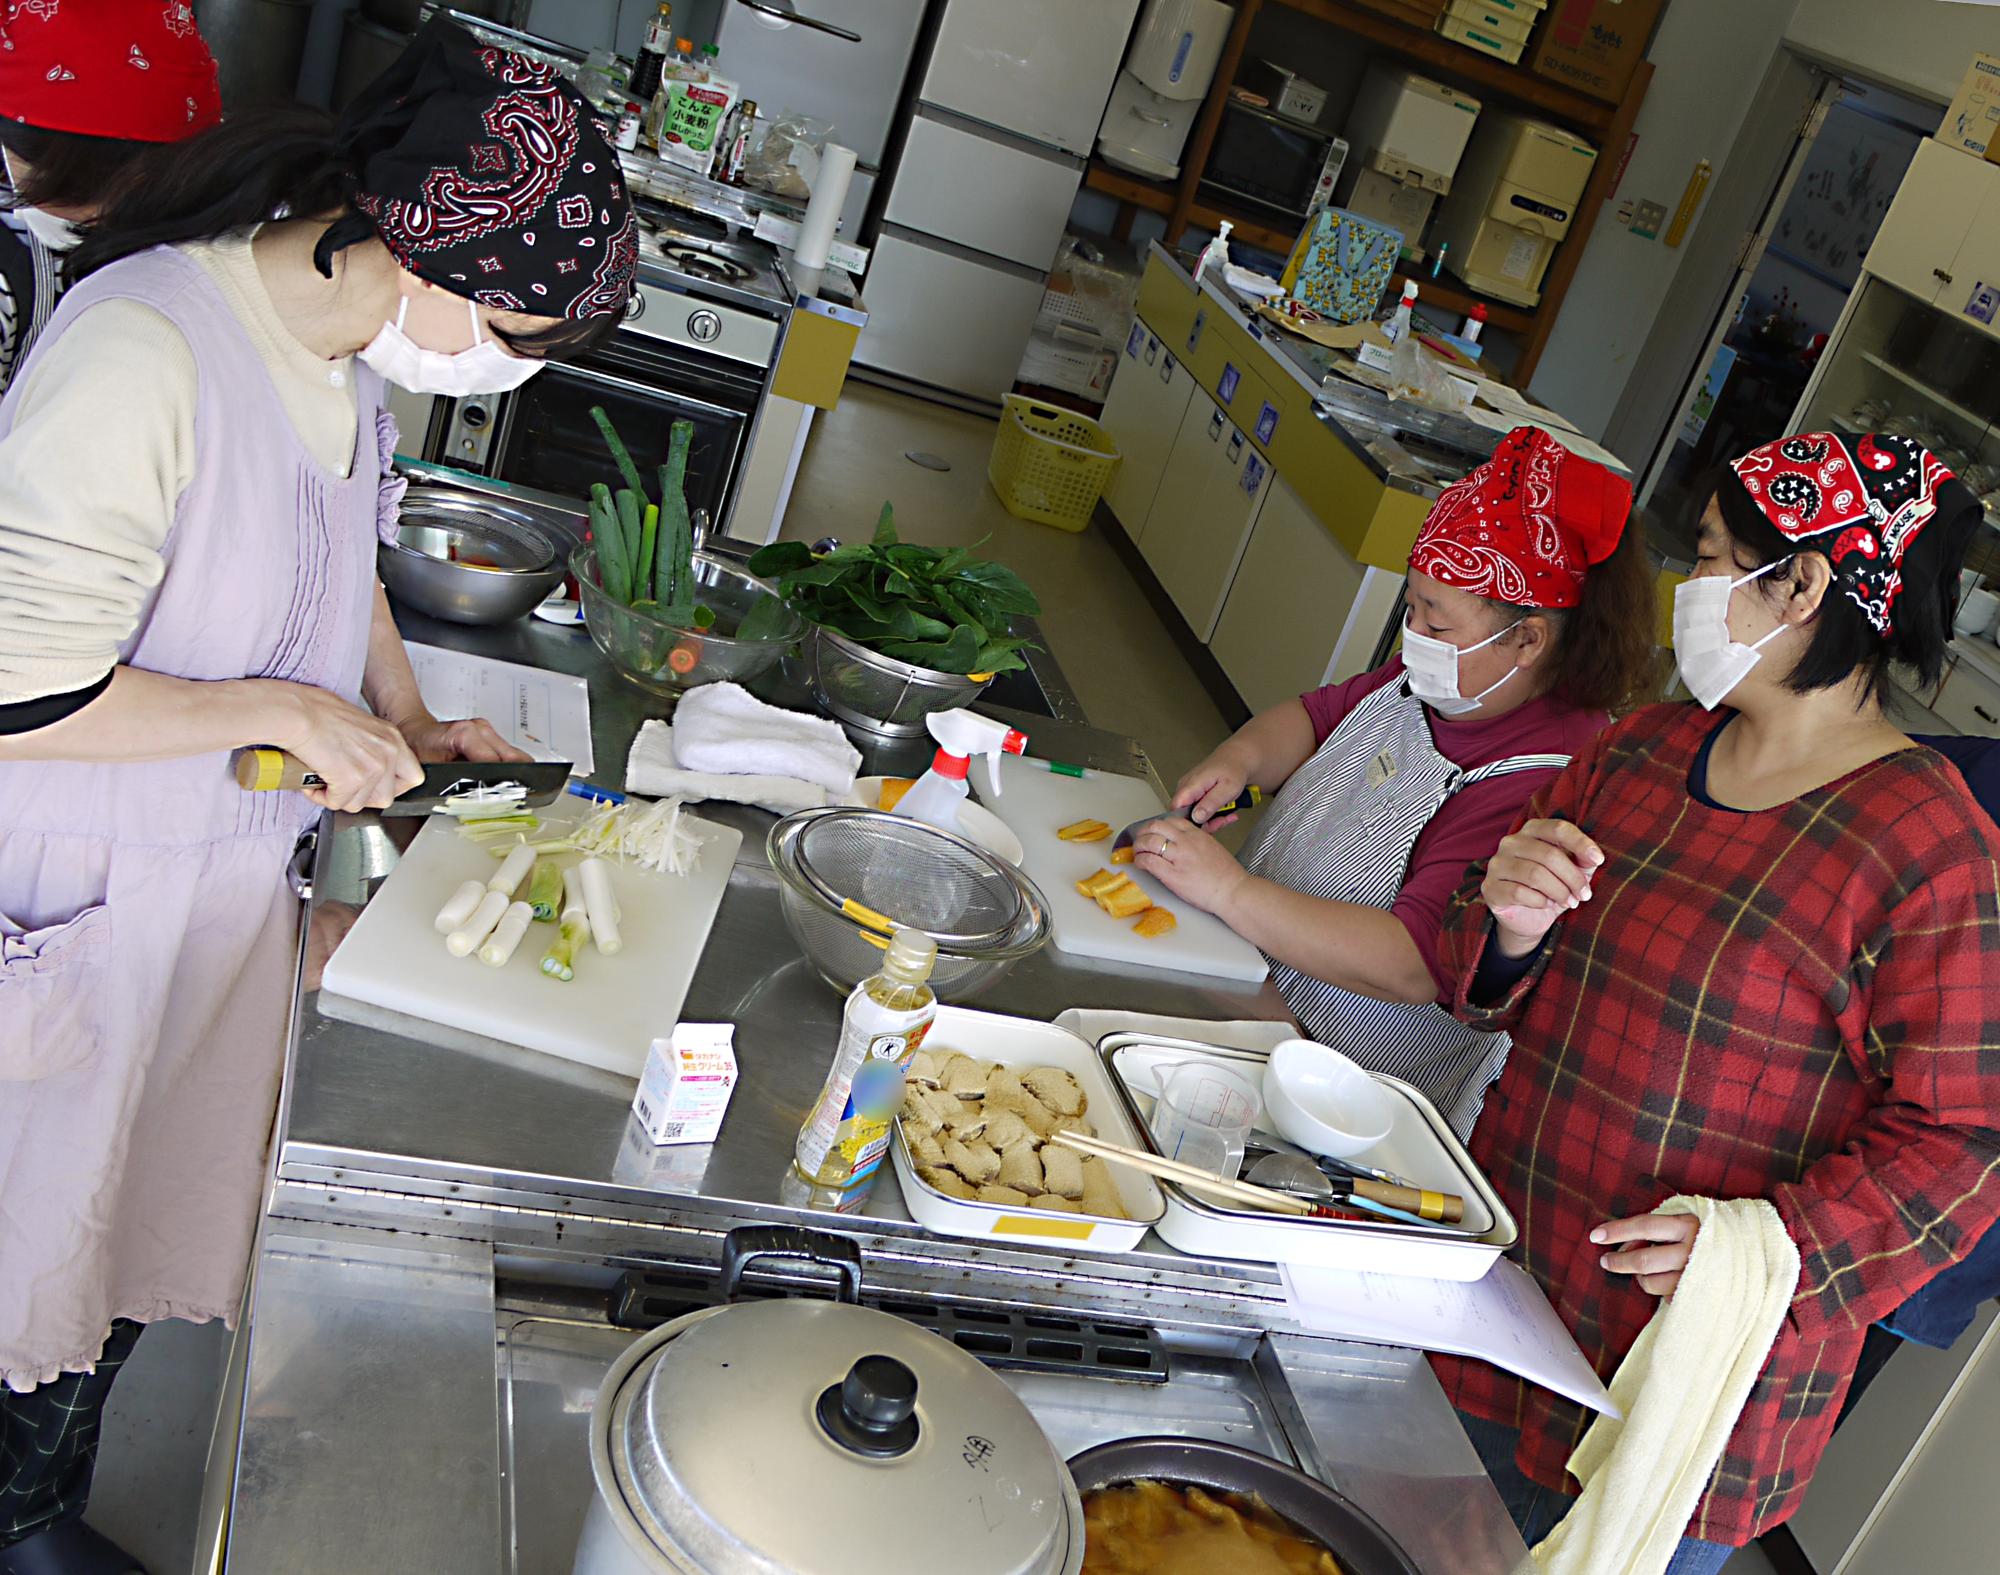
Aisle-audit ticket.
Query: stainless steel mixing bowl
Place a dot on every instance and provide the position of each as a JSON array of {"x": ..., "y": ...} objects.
[{"x": 467, "y": 561}]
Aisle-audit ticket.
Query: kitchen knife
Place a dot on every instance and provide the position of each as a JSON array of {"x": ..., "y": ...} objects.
[
  {"x": 269, "y": 770},
  {"x": 1250, "y": 798}
]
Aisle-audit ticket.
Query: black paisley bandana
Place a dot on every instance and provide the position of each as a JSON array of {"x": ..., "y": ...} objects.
[
  {"x": 486, "y": 174},
  {"x": 1872, "y": 495}
]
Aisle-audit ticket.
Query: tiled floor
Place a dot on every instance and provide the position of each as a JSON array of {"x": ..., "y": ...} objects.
[{"x": 1111, "y": 644}]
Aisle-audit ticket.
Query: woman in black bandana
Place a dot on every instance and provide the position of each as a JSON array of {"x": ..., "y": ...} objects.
[{"x": 194, "y": 467}]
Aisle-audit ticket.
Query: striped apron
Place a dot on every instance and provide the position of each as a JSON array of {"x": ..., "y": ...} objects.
[{"x": 1342, "y": 829}]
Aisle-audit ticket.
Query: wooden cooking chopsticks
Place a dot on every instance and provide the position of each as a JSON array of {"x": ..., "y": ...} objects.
[{"x": 1444, "y": 1207}]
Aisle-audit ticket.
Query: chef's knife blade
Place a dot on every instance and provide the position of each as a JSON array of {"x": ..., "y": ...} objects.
[
  {"x": 265, "y": 770},
  {"x": 1250, "y": 798}
]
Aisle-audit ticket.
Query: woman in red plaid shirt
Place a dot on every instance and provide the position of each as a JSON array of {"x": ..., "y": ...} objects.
[{"x": 1748, "y": 952}]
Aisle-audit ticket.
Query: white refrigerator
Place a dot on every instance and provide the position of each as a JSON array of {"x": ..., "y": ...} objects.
[{"x": 1006, "y": 108}]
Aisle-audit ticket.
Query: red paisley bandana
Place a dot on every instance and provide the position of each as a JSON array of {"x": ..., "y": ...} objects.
[
  {"x": 1525, "y": 526},
  {"x": 485, "y": 172},
  {"x": 1874, "y": 496},
  {"x": 135, "y": 69}
]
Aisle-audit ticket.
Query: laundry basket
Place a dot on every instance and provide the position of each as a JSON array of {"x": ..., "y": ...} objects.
[{"x": 1050, "y": 465}]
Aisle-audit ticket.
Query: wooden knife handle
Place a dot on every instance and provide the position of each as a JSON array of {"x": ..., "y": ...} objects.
[
  {"x": 272, "y": 770},
  {"x": 1446, "y": 1207}
]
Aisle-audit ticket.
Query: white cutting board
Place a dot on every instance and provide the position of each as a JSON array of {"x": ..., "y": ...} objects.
[
  {"x": 607, "y": 1016},
  {"x": 1037, "y": 803}
]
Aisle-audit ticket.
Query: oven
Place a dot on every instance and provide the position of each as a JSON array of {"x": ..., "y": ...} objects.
[
  {"x": 676, "y": 357},
  {"x": 1272, "y": 161}
]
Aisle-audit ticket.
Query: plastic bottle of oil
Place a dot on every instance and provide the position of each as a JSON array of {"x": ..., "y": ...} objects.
[{"x": 843, "y": 1141}]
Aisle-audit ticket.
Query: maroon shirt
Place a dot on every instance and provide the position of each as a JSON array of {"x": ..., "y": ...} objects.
[
  {"x": 1474, "y": 819},
  {"x": 1800, "y": 1004}
]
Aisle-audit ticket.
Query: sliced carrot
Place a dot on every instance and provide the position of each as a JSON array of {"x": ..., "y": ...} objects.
[
  {"x": 1085, "y": 831},
  {"x": 1154, "y": 922},
  {"x": 1103, "y": 880},
  {"x": 1124, "y": 855}
]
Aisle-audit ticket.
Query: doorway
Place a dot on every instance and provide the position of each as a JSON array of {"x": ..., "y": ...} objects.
[{"x": 1798, "y": 268}]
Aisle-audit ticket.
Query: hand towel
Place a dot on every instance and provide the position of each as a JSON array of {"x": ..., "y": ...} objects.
[
  {"x": 654, "y": 769},
  {"x": 1681, "y": 1388},
  {"x": 724, "y": 730}
]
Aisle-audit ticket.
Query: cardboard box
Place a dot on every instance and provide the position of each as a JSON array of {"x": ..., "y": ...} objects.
[
  {"x": 1594, "y": 46},
  {"x": 686, "y": 1085},
  {"x": 1973, "y": 121},
  {"x": 1079, "y": 367}
]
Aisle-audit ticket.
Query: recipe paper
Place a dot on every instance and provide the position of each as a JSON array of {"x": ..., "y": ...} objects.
[
  {"x": 544, "y": 714},
  {"x": 1502, "y": 1318}
]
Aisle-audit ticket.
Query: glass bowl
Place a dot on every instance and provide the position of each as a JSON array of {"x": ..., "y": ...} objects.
[{"x": 668, "y": 658}]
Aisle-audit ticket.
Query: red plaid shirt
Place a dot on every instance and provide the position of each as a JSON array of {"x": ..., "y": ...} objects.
[{"x": 1800, "y": 1004}]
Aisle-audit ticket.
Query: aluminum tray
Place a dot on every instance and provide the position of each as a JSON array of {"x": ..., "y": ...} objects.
[{"x": 1420, "y": 1146}]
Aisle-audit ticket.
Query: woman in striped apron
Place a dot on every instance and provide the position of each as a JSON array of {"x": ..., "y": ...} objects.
[{"x": 1530, "y": 618}]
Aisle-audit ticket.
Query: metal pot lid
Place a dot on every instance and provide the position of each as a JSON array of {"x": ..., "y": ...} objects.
[{"x": 803, "y": 1436}]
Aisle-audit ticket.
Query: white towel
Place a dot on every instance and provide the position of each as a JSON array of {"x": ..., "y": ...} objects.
[
  {"x": 1681, "y": 1387},
  {"x": 653, "y": 768},
  {"x": 724, "y": 730}
]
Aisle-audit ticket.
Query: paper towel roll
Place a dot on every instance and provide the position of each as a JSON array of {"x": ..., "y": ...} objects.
[{"x": 836, "y": 169}]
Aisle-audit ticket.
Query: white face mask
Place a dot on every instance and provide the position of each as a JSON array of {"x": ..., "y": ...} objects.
[
  {"x": 1712, "y": 661},
  {"x": 58, "y": 235},
  {"x": 1431, "y": 665},
  {"x": 484, "y": 369}
]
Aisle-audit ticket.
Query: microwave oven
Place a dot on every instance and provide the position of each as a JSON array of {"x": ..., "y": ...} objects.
[{"x": 1278, "y": 164}]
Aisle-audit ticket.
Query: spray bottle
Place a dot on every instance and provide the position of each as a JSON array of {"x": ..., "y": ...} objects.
[
  {"x": 960, "y": 735},
  {"x": 1215, "y": 255},
  {"x": 1399, "y": 323}
]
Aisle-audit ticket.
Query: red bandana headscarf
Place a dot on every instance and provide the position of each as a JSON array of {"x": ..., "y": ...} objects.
[
  {"x": 1525, "y": 526},
  {"x": 134, "y": 69},
  {"x": 1875, "y": 496}
]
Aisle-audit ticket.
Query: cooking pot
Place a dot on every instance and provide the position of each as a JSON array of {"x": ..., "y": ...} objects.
[
  {"x": 1358, "y": 1544},
  {"x": 801, "y": 1437}
]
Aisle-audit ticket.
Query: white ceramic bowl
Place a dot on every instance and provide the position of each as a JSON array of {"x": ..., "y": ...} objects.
[
  {"x": 1323, "y": 1102},
  {"x": 979, "y": 825}
]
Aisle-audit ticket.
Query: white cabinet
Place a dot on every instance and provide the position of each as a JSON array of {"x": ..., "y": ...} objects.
[
  {"x": 1969, "y": 701},
  {"x": 1925, "y": 230},
  {"x": 1149, "y": 396},
  {"x": 1207, "y": 505},
  {"x": 1284, "y": 616}
]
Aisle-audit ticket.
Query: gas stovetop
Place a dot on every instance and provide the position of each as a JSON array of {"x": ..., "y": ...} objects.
[
  {"x": 1086, "y": 1383},
  {"x": 695, "y": 250}
]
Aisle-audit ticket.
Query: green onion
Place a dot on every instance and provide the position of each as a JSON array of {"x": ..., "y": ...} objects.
[
  {"x": 545, "y": 889},
  {"x": 619, "y": 453}
]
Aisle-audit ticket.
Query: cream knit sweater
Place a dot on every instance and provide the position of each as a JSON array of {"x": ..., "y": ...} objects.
[{"x": 103, "y": 445}]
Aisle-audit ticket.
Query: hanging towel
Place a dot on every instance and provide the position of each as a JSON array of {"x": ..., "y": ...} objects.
[
  {"x": 1681, "y": 1387},
  {"x": 654, "y": 769},
  {"x": 724, "y": 730}
]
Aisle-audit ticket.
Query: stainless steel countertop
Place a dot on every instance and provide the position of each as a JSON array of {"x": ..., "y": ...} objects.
[{"x": 411, "y": 1159}]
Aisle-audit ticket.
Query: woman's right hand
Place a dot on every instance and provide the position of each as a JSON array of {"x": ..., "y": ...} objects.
[
  {"x": 364, "y": 760},
  {"x": 1536, "y": 876},
  {"x": 1218, "y": 780}
]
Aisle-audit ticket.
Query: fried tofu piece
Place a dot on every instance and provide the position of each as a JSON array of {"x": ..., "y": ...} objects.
[
  {"x": 1057, "y": 1089},
  {"x": 1102, "y": 881},
  {"x": 1005, "y": 1088},
  {"x": 949, "y": 1182},
  {"x": 1013, "y": 1197},
  {"x": 1053, "y": 1203},
  {"x": 941, "y": 1105},
  {"x": 965, "y": 1078},
  {"x": 1062, "y": 1171},
  {"x": 1037, "y": 1116},
  {"x": 927, "y": 1152},
  {"x": 1021, "y": 1167},
  {"x": 923, "y": 1069},
  {"x": 919, "y": 1120},
  {"x": 1124, "y": 855},
  {"x": 1072, "y": 1124},
  {"x": 1100, "y": 1191},
  {"x": 1085, "y": 831},
  {"x": 893, "y": 790},
  {"x": 1006, "y": 1130},
  {"x": 1155, "y": 922},
  {"x": 975, "y": 1161},
  {"x": 967, "y": 1121}
]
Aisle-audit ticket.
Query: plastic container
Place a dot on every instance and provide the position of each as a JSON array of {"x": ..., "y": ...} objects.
[
  {"x": 1203, "y": 1117},
  {"x": 1048, "y": 465}
]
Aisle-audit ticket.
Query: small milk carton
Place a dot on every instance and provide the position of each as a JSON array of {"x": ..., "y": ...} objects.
[{"x": 686, "y": 1086}]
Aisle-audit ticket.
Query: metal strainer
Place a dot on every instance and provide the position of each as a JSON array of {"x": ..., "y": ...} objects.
[{"x": 852, "y": 877}]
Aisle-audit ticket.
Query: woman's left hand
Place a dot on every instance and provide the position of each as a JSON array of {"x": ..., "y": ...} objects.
[
  {"x": 1190, "y": 863},
  {"x": 475, "y": 738},
  {"x": 1656, "y": 1248}
]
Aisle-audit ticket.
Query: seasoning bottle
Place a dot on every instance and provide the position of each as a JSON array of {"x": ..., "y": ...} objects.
[
  {"x": 843, "y": 1141},
  {"x": 626, "y": 137},
  {"x": 736, "y": 146},
  {"x": 653, "y": 54}
]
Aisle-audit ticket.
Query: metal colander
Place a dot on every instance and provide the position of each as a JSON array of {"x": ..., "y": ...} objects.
[{"x": 850, "y": 877}]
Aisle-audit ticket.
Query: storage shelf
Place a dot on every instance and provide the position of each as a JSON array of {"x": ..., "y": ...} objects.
[
  {"x": 1455, "y": 297},
  {"x": 1435, "y": 50},
  {"x": 1136, "y": 190},
  {"x": 1245, "y": 226},
  {"x": 1916, "y": 385}
]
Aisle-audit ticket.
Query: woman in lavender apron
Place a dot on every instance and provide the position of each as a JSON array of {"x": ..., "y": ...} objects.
[
  {"x": 193, "y": 473},
  {"x": 1530, "y": 617}
]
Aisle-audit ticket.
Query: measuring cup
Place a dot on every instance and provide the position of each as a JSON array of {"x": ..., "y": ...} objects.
[{"x": 1203, "y": 1116}]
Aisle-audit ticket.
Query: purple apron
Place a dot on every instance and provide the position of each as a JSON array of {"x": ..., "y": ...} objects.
[{"x": 148, "y": 939}]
